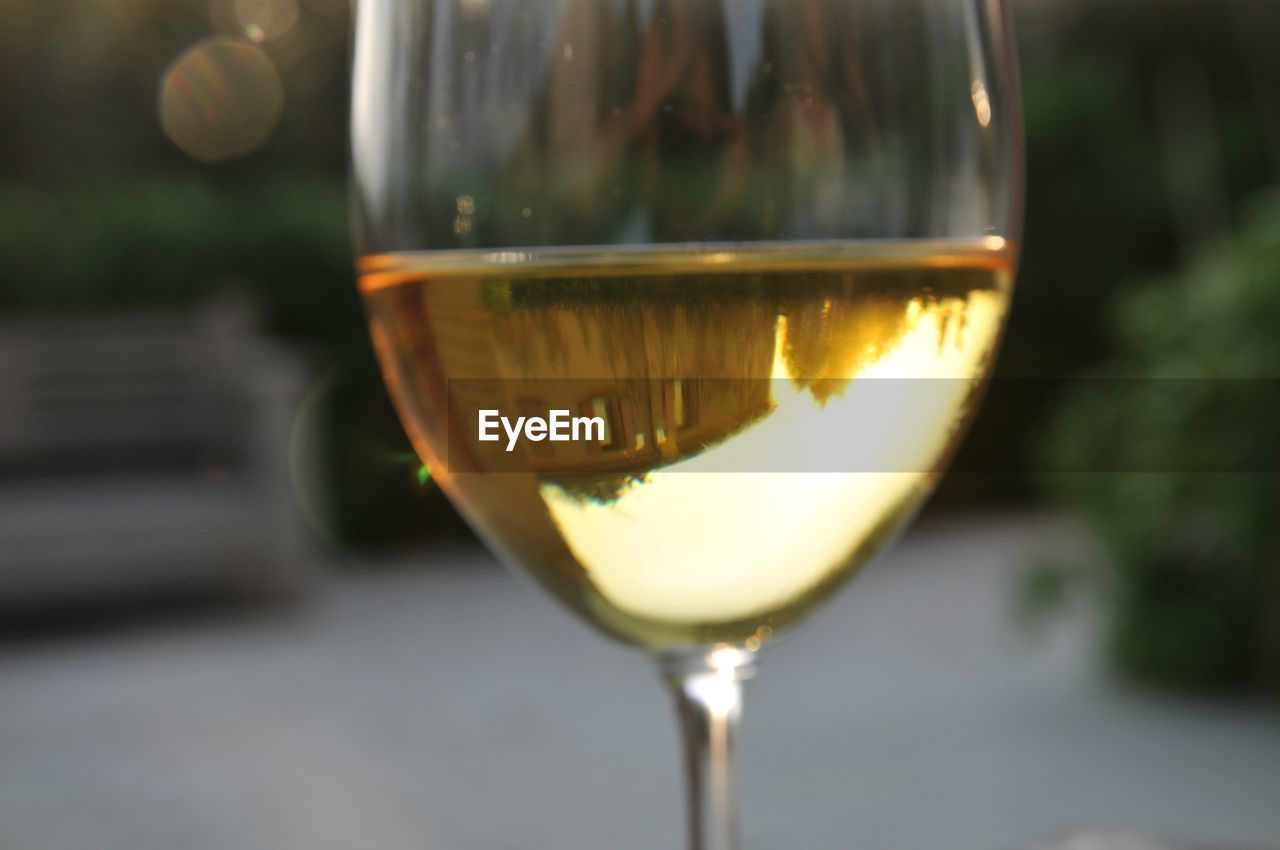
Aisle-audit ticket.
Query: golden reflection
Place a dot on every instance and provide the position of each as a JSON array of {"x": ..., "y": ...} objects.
[
  {"x": 840, "y": 449},
  {"x": 771, "y": 419},
  {"x": 220, "y": 100}
]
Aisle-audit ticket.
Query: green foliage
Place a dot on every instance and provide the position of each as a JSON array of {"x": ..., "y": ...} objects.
[
  {"x": 1098, "y": 206},
  {"x": 116, "y": 245},
  {"x": 1179, "y": 471}
]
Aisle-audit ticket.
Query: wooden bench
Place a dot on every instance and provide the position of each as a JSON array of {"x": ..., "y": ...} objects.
[{"x": 145, "y": 453}]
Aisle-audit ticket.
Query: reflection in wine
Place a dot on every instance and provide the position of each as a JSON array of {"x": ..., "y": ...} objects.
[{"x": 712, "y": 371}]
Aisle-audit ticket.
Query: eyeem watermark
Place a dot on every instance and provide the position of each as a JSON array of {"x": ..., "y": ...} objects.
[
  {"x": 634, "y": 426},
  {"x": 558, "y": 427}
]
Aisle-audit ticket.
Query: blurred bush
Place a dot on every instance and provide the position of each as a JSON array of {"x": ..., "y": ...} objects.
[
  {"x": 1119, "y": 111},
  {"x": 1191, "y": 528}
]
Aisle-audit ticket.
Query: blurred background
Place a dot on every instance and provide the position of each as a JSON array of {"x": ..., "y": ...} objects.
[{"x": 235, "y": 612}]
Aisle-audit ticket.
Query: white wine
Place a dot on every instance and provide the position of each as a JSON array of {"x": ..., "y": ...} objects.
[{"x": 774, "y": 414}]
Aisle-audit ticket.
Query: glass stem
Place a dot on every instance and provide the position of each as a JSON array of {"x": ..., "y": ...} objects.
[{"x": 707, "y": 686}]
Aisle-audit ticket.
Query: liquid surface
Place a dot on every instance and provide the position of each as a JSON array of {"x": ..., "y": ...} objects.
[{"x": 756, "y": 455}]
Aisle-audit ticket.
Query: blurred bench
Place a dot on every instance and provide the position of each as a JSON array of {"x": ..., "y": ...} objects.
[{"x": 146, "y": 453}]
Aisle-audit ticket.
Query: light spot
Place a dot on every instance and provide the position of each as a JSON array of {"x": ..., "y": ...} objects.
[
  {"x": 725, "y": 660},
  {"x": 220, "y": 100},
  {"x": 271, "y": 19},
  {"x": 981, "y": 103}
]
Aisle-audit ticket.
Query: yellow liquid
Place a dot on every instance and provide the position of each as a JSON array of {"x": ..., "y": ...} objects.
[{"x": 718, "y": 511}]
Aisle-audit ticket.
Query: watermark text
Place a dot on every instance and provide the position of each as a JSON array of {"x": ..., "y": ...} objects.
[{"x": 559, "y": 426}]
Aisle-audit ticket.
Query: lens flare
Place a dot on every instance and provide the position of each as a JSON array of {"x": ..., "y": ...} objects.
[
  {"x": 220, "y": 100},
  {"x": 304, "y": 437}
]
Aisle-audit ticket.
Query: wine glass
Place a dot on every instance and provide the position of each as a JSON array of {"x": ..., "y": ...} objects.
[{"x": 761, "y": 252}]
